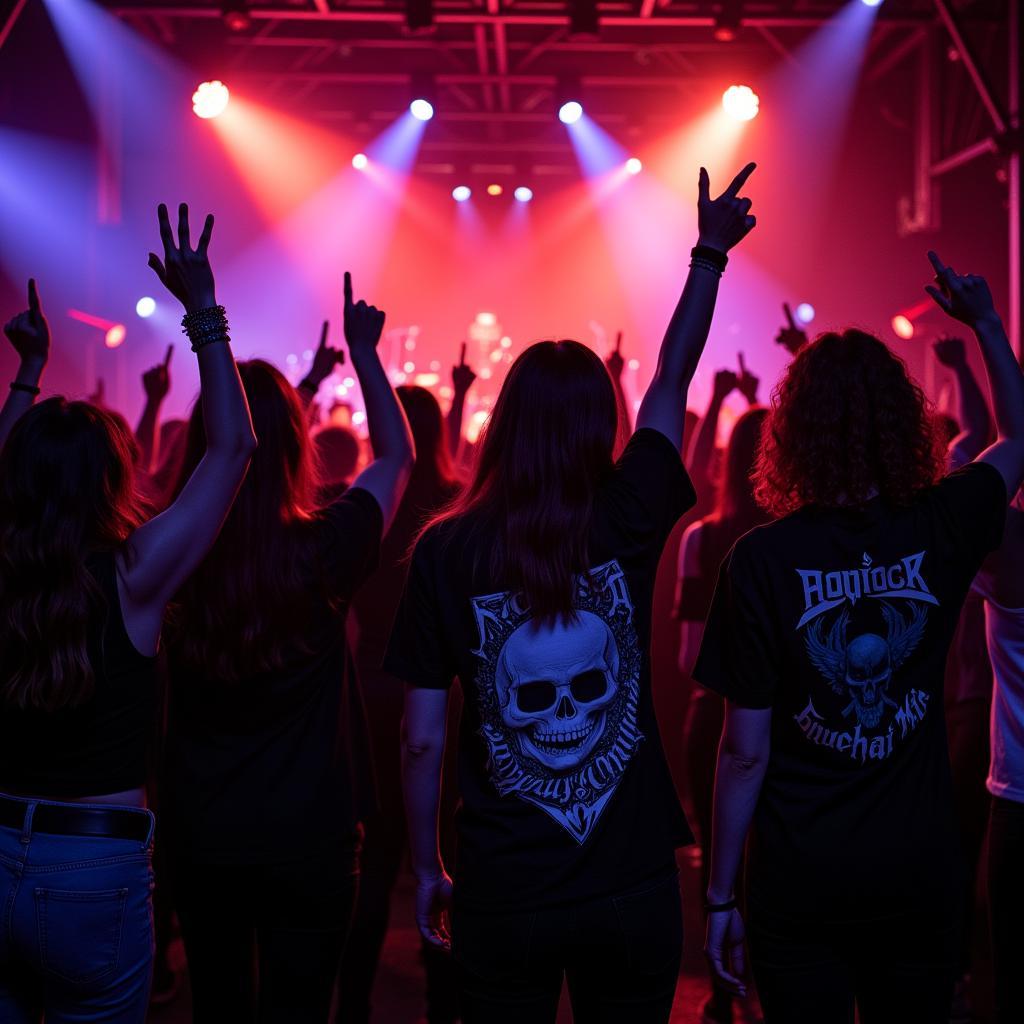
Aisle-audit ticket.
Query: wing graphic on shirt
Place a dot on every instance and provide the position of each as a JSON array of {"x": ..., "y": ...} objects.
[
  {"x": 904, "y": 635},
  {"x": 828, "y": 653}
]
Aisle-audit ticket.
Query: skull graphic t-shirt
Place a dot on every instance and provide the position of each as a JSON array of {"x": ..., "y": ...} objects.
[
  {"x": 565, "y": 791},
  {"x": 839, "y": 621}
]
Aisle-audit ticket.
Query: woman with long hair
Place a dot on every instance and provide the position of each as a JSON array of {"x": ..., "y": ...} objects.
[
  {"x": 535, "y": 589},
  {"x": 704, "y": 546},
  {"x": 432, "y": 487},
  {"x": 828, "y": 637},
  {"x": 268, "y": 775},
  {"x": 85, "y": 577}
]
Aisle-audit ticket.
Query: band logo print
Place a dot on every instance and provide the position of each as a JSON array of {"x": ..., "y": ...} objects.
[
  {"x": 558, "y": 703},
  {"x": 861, "y": 668}
]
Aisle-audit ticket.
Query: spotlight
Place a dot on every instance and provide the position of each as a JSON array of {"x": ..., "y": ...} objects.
[
  {"x": 570, "y": 112},
  {"x": 741, "y": 103},
  {"x": 903, "y": 326},
  {"x": 115, "y": 335},
  {"x": 421, "y": 109},
  {"x": 235, "y": 15},
  {"x": 633, "y": 165},
  {"x": 727, "y": 21},
  {"x": 145, "y": 307},
  {"x": 871, "y": 3},
  {"x": 461, "y": 193},
  {"x": 210, "y": 99},
  {"x": 524, "y": 194},
  {"x": 494, "y": 190},
  {"x": 359, "y": 161},
  {"x": 583, "y": 18},
  {"x": 804, "y": 313}
]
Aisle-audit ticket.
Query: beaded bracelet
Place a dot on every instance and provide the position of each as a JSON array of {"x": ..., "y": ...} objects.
[
  {"x": 205, "y": 326},
  {"x": 711, "y": 255},
  {"x": 706, "y": 265}
]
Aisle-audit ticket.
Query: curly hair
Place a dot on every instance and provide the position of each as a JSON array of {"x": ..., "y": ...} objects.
[{"x": 847, "y": 422}]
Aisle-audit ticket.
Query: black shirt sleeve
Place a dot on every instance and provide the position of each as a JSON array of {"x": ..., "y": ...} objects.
[
  {"x": 740, "y": 655},
  {"x": 418, "y": 651},
  {"x": 648, "y": 491},
  {"x": 350, "y": 537},
  {"x": 970, "y": 510}
]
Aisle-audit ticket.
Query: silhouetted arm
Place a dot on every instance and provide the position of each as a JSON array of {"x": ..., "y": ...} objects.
[
  {"x": 156, "y": 382},
  {"x": 968, "y": 299},
  {"x": 722, "y": 223},
  {"x": 703, "y": 447},
  {"x": 462, "y": 380},
  {"x": 29, "y": 335},
  {"x": 975, "y": 421},
  {"x": 165, "y": 551},
  {"x": 390, "y": 438}
]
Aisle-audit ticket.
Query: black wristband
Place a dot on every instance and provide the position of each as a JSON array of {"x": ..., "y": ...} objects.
[
  {"x": 705, "y": 252},
  {"x": 309, "y": 385},
  {"x": 29, "y": 389},
  {"x": 720, "y": 908}
]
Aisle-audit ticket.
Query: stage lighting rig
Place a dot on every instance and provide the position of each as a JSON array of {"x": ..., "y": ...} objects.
[
  {"x": 583, "y": 19},
  {"x": 727, "y": 20},
  {"x": 235, "y": 15},
  {"x": 419, "y": 16},
  {"x": 567, "y": 101}
]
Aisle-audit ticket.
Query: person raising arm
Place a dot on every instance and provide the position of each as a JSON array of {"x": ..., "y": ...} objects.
[{"x": 29, "y": 334}]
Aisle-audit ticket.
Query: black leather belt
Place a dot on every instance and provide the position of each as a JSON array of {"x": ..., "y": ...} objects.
[{"x": 87, "y": 820}]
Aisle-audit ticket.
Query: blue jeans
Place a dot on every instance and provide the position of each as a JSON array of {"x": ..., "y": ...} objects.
[{"x": 76, "y": 927}]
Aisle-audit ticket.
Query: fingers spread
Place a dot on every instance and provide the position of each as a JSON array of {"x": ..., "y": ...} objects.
[
  {"x": 940, "y": 300},
  {"x": 739, "y": 181},
  {"x": 183, "y": 236},
  {"x": 158, "y": 267},
  {"x": 204, "y": 238},
  {"x": 166, "y": 235},
  {"x": 704, "y": 186},
  {"x": 937, "y": 264}
]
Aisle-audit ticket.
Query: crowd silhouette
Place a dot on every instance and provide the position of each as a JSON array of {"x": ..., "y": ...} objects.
[{"x": 228, "y": 646}]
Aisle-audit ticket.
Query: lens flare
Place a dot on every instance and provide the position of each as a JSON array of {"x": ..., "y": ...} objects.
[
  {"x": 145, "y": 307},
  {"x": 523, "y": 194},
  {"x": 570, "y": 112},
  {"x": 461, "y": 193},
  {"x": 633, "y": 165},
  {"x": 804, "y": 312},
  {"x": 210, "y": 99},
  {"x": 115, "y": 335},
  {"x": 741, "y": 103},
  {"x": 360, "y": 161},
  {"x": 903, "y": 326}
]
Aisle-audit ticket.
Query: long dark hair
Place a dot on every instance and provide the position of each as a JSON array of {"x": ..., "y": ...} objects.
[
  {"x": 247, "y": 604},
  {"x": 736, "y": 501},
  {"x": 538, "y": 465},
  {"x": 847, "y": 421},
  {"x": 67, "y": 491},
  {"x": 433, "y": 470}
]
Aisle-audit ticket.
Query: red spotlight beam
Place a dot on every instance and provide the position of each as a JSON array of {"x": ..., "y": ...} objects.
[
  {"x": 91, "y": 320},
  {"x": 10, "y": 22}
]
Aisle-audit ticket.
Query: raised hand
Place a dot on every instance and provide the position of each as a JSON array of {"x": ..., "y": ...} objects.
[
  {"x": 156, "y": 381},
  {"x": 324, "y": 359},
  {"x": 462, "y": 375},
  {"x": 363, "y": 323},
  {"x": 747, "y": 383},
  {"x": 725, "y": 383},
  {"x": 950, "y": 352},
  {"x": 725, "y": 221},
  {"x": 965, "y": 298},
  {"x": 792, "y": 338},
  {"x": 433, "y": 898},
  {"x": 615, "y": 361},
  {"x": 185, "y": 272},
  {"x": 99, "y": 394},
  {"x": 28, "y": 332}
]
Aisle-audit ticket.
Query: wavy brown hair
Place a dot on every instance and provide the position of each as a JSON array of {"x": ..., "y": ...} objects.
[
  {"x": 539, "y": 462},
  {"x": 67, "y": 491},
  {"x": 847, "y": 422},
  {"x": 248, "y": 604}
]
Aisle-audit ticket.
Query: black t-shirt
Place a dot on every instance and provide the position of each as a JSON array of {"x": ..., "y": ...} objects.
[
  {"x": 565, "y": 791},
  {"x": 268, "y": 768},
  {"x": 840, "y": 620}
]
